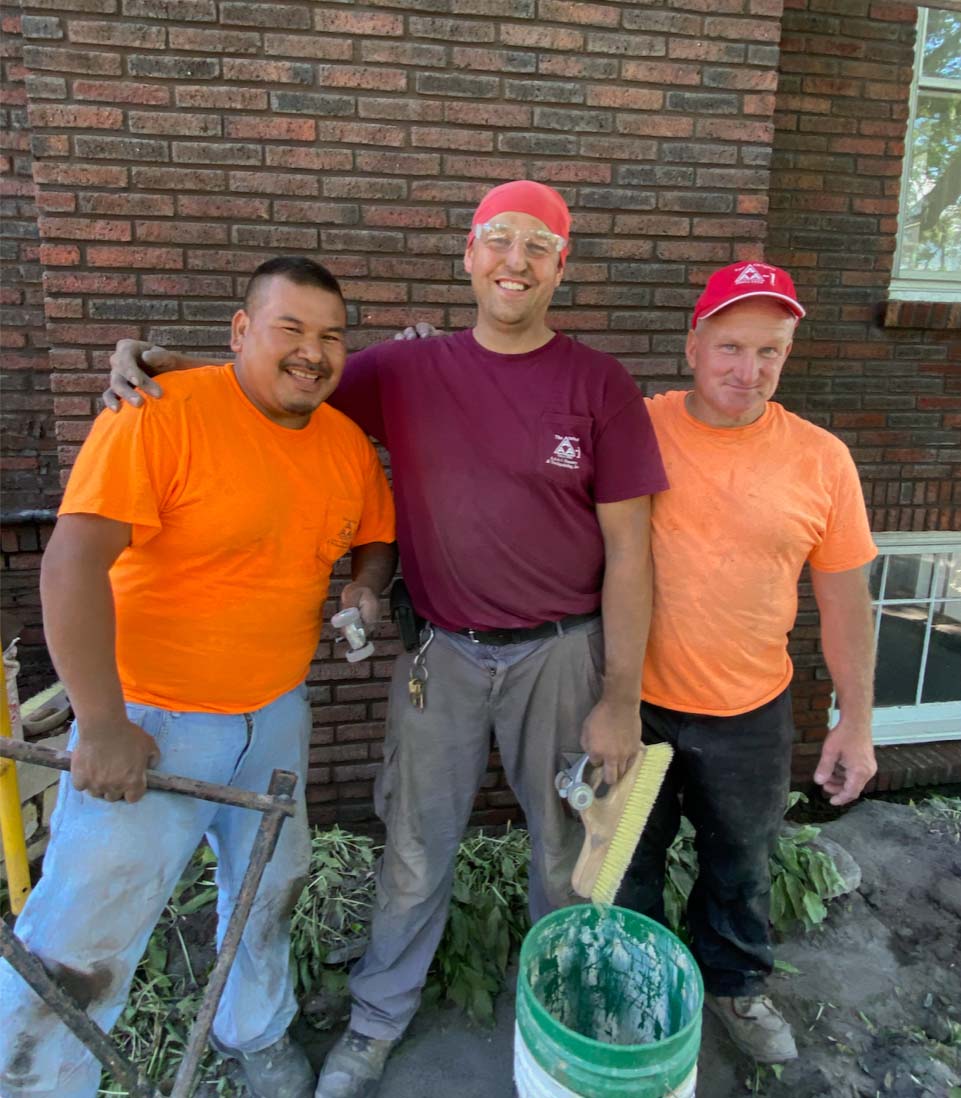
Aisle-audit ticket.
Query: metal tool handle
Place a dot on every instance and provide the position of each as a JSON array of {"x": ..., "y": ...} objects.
[{"x": 166, "y": 783}]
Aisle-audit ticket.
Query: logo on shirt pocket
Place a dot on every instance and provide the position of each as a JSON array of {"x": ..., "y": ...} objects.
[
  {"x": 564, "y": 447},
  {"x": 343, "y": 521}
]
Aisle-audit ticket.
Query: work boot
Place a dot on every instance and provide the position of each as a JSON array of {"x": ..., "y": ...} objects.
[
  {"x": 755, "y": 1025},
  {"x": 280, "y": 1070},
  {"x": 354, "y": 1066}
]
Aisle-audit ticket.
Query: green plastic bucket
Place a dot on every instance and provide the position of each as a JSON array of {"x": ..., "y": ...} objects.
[{"x": 608, "y": 1006}]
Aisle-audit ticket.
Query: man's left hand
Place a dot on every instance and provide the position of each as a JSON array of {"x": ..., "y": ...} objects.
[
  {"x": 611, "y": 735},
  {"x": 356, "y": 594},
  {"x": 847, "y": 762}
]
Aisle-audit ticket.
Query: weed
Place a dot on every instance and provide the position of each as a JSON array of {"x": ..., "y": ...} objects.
[
  {"x": 802, "y": 877},
  {"x": 943, "y": 814},
  {"x": 488, "y": 919}
]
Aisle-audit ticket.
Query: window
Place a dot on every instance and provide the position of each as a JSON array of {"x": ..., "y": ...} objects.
[
  {"x": 916, "y": 593},
  {"x": 927, "y": 264}
]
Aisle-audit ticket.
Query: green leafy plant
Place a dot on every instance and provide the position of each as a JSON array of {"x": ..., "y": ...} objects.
[
  {"x": 488, "y": 919},
  {"x": 802, "y": 877},
  {"x": 329, "y": 923},
  {"x": 943, "y": 814}
]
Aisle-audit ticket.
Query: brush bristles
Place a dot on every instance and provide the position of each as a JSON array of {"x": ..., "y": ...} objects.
[{"x": 640, "y": 801}]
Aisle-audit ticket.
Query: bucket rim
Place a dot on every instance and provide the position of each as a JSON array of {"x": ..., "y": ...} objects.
[{"x": 590, "y": 1046}]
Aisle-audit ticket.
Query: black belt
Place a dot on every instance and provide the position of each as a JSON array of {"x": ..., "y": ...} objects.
[{"x": 535, "y": 632}]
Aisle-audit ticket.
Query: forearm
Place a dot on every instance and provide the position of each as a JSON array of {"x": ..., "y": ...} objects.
[
  {"x": 79, "y": 623},
  {"x": 847, "y": 641},
  {"x": 626, "y": 600},
  {"x": 372, "y": 565}
]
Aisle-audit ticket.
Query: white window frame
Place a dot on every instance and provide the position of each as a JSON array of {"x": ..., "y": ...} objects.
[
  {"x": 927, "y": 722},
  {"x": 939, "y": 286}
]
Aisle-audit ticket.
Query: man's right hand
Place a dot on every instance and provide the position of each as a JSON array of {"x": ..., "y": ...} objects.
[
  {"x": 132, "y": 366},
  {"x": 111, "y": 760}
]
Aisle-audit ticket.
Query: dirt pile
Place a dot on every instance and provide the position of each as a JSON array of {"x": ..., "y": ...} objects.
[{"x": 876, "y": 1000}]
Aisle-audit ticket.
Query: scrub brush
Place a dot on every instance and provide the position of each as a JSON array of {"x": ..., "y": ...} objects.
[{"x": 613, "y": 823}]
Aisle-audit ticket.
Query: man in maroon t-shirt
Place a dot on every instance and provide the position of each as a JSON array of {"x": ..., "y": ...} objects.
[{"x": 523, "y": 463}]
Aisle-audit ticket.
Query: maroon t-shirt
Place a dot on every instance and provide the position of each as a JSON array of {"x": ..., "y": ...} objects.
[{"x": 498, "y": 462}]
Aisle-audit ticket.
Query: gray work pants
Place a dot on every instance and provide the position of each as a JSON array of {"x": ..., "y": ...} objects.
[{"x": 534, "y": 698}]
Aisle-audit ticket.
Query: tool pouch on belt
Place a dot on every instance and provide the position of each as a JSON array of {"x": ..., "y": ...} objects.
[{"x": 409, "y": 623}]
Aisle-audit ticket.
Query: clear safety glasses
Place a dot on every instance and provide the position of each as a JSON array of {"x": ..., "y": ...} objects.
[{"x": 537, "y": 243}]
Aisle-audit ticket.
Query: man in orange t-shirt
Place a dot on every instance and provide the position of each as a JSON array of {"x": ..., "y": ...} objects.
[
  {"x": 755, "y": 493},
  {"x": 183, "y": 591}
]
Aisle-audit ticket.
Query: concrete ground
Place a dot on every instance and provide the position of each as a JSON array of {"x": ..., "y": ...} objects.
[{"x": 445, "y": 1056}]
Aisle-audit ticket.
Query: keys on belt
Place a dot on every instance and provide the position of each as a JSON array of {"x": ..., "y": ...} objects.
[{"x": 417, "y": 682}]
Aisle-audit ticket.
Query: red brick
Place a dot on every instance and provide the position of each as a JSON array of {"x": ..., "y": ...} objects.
[
  {"x": 270, "y": 72},
  {"x": 148, "y": 258},
  {"x": 482, "y": 114},
  {"x": 178, "y": 123},
  {"x": 404, "y": 217},
  {"x": 309, "y": 45},
  {"x": 79, "y": 175},
  {"x": 114, "y": 91},
  {"x": 271, "y": 128},
  {"x": 66, "y": 115},
  {"x": 141, "y": 36},
  {"x": 661, "y": 72},
  {"x": 746, "y": 30},
  {"x": 359, "y": 76},
  {"x": 358, "y": 24},
  {"x": 78, "y": 228},
  {"x": 446, "y": 138},
  {"x": 223, "y": 206},
  {"x": 640, "y": 99},
  {"x": 542, "y": 38},
  {"x": 317, "y": 160},
  {"x": 218, "y": 98},
  {"x": 84, "y": 282},
  {"x": 59, "y": 255},
  {"x": 564, "y": 11}
]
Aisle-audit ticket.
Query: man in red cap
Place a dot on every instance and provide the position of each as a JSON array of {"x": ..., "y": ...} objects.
[
  {"x": 756, "y": 493},
  {"x": 523, "y": 465}
]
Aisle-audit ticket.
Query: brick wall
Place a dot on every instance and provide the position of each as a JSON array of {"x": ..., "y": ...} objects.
[
  {"x": 176, "y": 144},
  {"x": 885, "y": 378}
]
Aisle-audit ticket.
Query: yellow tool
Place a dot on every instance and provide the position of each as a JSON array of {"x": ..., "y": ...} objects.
[
  {"x": 11, "y": 818},
  {"x": 613, "y": 822}
]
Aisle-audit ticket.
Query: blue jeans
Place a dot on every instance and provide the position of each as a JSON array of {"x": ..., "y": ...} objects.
[{"x": 110, "y": 869}]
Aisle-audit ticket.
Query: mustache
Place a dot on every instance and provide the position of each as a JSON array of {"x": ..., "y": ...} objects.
[{"x": 321, "y": 369}]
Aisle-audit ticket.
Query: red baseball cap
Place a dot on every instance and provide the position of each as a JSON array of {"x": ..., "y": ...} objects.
[
  {"x": 526, "y": 196},
  {"x": 743, "y": 280}
]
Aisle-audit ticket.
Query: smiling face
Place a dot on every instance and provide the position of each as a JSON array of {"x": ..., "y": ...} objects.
[
  {"x": 513, "y": 291},
  {"x": 290, "y": 350},
  {"x": 736, "y": 356}
]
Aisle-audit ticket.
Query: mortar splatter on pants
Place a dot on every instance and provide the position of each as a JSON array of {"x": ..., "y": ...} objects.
[
  {"x": 110, "y": 869},
  {"x": 533, "y": 697},
  {"x": 730, "y": 776}
]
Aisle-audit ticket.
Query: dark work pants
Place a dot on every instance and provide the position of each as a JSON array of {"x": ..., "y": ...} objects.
[{"x": 730, "y": 777}]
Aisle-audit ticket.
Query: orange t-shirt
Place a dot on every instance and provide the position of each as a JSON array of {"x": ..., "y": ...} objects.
[
  {"x": 746, "y": 508},
  {"x": 236, "y": 524}
]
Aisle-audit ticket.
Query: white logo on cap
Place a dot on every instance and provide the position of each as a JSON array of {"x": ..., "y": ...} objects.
[{"x": 750, "y": 275}]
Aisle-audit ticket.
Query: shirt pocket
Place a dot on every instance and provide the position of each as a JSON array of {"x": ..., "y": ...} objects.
[
  {"x": 564, "y": 451},
  {"x": 341, "y": 526}
]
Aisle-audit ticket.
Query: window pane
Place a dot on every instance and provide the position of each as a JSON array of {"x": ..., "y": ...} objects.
[
  {"x": 900, "y": 642},
  {"x": 909, "y": 577},
  {"x": 942, "y": 45},
  {"x": 877, "y": 571},
  {"x": 942, "y": 676},
  {"x": 947, "y": 580},
  {"x": 931, "y": 210}
]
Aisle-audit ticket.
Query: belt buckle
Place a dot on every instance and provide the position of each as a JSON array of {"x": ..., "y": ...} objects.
[{"x": 470, "y": 633}]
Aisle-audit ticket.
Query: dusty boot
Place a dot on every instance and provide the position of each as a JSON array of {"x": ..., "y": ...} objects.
[
  {"x": 280, "y": 1070},
  {"x": 755, "y": 1025},
  {"x": 353, "y": 1066}
]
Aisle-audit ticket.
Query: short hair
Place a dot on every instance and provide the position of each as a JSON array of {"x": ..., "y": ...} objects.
[{"x": 295, "y": 268}]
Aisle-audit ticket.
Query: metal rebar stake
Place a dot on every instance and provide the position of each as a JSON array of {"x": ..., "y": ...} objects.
[
  {"x": 282, "y": 784},
  {"x": 87, "y": 1030}
]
